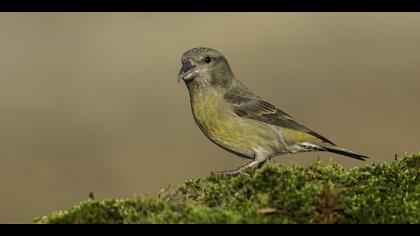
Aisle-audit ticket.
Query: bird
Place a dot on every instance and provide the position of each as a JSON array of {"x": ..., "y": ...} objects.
[{"x": 236, "y": 119}]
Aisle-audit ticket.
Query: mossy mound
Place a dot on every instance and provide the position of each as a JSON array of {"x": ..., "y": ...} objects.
[{"x": 322, "y": 193}]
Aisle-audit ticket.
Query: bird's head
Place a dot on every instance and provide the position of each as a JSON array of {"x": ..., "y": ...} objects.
[{"x": 204, "y": 66}]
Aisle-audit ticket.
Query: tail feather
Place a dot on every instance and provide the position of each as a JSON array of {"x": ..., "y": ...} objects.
[{"x": 345, "y": 152}]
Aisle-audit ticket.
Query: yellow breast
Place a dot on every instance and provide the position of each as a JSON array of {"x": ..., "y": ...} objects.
[{"x": 215, "y": 118}]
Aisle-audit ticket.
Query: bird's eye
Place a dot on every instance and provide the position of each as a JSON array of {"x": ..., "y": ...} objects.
[{"x": 207, "y": 59}]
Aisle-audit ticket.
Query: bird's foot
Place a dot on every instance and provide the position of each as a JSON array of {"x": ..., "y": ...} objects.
[
  {"x": 242, "y": 170},
  {"x": 232, "y": 172}
]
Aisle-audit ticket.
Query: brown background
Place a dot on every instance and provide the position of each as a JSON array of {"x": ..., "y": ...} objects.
[{"x": 89, "y": 101}]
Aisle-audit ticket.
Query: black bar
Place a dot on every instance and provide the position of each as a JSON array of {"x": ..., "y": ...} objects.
[{"x": 208, "y": 6}]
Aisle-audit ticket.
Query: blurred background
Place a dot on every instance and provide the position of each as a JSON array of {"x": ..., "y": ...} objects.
[{"x": 89, "y": 101}]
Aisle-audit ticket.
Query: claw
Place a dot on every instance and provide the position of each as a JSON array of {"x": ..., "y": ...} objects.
[
  {"x": 232, "y": 173},
  {"x": 241, "y": 170}
]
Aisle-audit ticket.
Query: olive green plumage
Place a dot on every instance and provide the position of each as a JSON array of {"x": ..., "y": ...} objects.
[{"x": 239, "y": 121}]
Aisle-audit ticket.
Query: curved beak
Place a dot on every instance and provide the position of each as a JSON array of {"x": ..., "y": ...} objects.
[{"x": 186, "y": 67}]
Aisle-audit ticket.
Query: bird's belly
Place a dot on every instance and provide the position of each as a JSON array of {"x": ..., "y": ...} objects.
[{"x": 239, "y": 135}]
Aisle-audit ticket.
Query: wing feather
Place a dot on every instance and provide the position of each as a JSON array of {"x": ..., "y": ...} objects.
[{"x": 246, "y": 104}]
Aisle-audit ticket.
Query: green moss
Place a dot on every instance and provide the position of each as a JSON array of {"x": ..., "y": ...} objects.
[{"x": 322, "y": 193}]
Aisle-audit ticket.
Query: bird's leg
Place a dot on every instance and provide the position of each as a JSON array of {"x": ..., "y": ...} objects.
[
  {"x": 257, "y": 163},
  {"x": 239, "y": 170}
]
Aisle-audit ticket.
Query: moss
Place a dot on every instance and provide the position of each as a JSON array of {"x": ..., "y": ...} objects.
[{"x": 322, "y": 193}]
